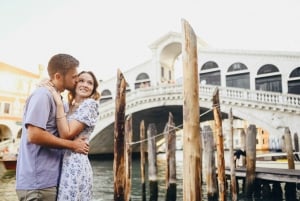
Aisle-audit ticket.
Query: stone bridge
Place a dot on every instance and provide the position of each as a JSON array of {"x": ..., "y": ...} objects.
[{"x": 271, "y": 111}]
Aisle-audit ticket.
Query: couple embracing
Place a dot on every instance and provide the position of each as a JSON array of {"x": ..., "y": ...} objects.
[{"x": 52, "y": 162}]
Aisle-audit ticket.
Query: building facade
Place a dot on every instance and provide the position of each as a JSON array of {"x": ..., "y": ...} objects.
[{"x": 15, "y": 86}]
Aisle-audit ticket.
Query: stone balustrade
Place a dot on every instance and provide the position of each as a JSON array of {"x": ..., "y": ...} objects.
[{"x": 230, "y": 96}]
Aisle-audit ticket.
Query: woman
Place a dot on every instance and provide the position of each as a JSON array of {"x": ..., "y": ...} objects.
[{"x": 76, "y": 174}]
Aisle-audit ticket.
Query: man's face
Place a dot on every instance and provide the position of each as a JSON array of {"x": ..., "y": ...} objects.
[{"x": 70, "y": 79}]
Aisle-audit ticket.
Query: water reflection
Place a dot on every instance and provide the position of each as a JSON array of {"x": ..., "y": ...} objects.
[{"x": 104, "y": 185}]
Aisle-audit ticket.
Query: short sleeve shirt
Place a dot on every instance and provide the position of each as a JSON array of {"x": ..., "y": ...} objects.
[
  {"x": 37, "y": 166},
  {"x": 87, "y": 113}
]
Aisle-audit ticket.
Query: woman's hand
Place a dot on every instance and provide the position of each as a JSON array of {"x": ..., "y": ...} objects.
[
  {"x": 56, "y": 95},
  {"x": 49, "y": 85}
]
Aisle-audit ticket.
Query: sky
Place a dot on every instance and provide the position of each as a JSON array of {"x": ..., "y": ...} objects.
[{"x": 109, "y": 35}]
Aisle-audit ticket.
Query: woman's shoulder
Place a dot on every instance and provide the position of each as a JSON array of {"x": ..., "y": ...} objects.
[{"x": 90, "y": 101}]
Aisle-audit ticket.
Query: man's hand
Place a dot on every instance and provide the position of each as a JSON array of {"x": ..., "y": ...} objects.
[{"x": 81, "y": 146}]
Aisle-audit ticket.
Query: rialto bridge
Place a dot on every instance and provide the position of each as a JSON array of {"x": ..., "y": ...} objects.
[{"x": 269, "y": 110}]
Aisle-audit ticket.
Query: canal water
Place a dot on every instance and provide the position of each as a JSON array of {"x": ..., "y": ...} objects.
[{"x": 104, "y": 186}]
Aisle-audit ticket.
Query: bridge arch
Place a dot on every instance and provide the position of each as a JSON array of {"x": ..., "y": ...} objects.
[
  {"x": 270, "y": 111},
  {"x": 166, "y": 54},
  {"x": 167, "y": 59},
  {"x": 5, "y": 133}
]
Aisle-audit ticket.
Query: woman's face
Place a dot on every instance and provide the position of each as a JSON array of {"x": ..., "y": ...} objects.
[{"x": 85, "y": 85}]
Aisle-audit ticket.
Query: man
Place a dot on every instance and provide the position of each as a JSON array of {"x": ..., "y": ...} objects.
[
  {"x": 40, "y": 151},
  {"x": 237, "y": 154}
]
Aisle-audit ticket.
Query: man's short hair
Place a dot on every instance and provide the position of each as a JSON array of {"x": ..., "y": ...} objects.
[{"x": 61, "y": 63}]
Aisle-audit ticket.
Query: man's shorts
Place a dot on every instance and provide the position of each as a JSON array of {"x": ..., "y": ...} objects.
[{"x": 46, "y": 194}]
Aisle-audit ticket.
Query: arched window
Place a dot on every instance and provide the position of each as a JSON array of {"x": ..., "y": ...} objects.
[
  {"x": 237, "y": 67},
  {"x": 142, "y": 81},
  {"x": 295, "y": 73},
  {"x": 268, "y": 68},
  {"x": 106, "y": 92},
  {"x": 294, "y": 81},
  {"x": 269, "y": 79},
  {"x": 238, "y": 76},
  {"x": 142, "y": 76},
  {"x": 210, "y": 74},
  {"x": 209, "y": 65},
  {"x": 105, "y": 96}
]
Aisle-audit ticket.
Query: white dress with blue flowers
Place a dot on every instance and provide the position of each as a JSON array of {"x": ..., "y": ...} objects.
[{"x": 76, "y": 174}]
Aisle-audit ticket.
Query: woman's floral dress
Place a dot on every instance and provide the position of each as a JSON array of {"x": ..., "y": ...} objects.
[{"x": 76, "y": 174}]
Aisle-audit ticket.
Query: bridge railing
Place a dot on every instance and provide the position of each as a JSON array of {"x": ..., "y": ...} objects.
[{"x": 287, "y": 101}]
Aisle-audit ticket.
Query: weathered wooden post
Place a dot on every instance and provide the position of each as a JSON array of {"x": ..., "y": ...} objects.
[
  {"x": 128, "y": 161},
  {"x": 171, "y": 160},
  {"x": 290, "y": 188},
  {"x": 243, "y": 158},
  {"x": 209, "y": 163},
  {"x": 232, "y": 165},
  {"x": 152, "y": 169},
  {"x": 191, "y": 139},
  {"x": 220, "y": 145},
  {"x": 296, "y": 142},
  {"x": 289, "y": 148},
  {"x": 119, "y": 130},
  {"x": 143, "y": 153},
  {"x": 250, "y": 160}
]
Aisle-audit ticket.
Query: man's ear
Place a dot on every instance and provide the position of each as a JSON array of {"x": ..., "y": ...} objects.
[{"x": 57, "y": 76}]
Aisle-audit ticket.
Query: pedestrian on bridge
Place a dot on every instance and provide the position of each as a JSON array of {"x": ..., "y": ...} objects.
[{"x": 237, "y": 154}]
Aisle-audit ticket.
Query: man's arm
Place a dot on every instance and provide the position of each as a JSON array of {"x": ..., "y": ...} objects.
[{"x": 41, "y": 137}]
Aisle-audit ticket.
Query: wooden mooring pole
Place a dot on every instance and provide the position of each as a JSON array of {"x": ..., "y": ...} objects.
[
  {"x": 128, "y": 155},
  {"x": 232, "y": 161},
  {"x": 220, "y": 145},
  {"x": 170, "y": 139},
  {"x": 290, "y": 188},
  {"x": 152, "y": 169},
  {"x": 143, "y": 160},
  {"x": 119, "y": 133},
  {"x": 192, "y": 156},
  {"x": 289, "y": 148},
  {"x": 209, "y": 162},
  {"x": 250, "y": 160}
]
